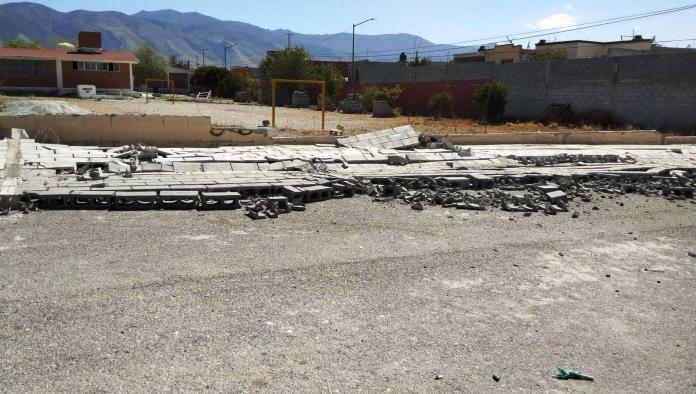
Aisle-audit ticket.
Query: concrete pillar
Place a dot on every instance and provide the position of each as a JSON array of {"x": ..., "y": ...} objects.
[
  {"x": 59, "y": 74},
  {"x": 130, "y": 70}
]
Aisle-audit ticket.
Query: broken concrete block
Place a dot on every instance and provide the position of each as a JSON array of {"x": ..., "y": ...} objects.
[
  {"x": 397, "y": 160},
  {"x": 316, "y": 193},
  {"x": 220, "y": 200},
  {"x": 557, "y": 195}
]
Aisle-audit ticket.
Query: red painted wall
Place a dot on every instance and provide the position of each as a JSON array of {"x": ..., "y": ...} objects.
[
  {"x": 48, "y": 80},
  {"x": 416, "y": 95},
  {"x": 101, "y": 79}
]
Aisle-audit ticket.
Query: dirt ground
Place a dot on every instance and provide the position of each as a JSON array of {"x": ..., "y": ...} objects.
[
  {"x": 299, "y": 121},
  {"x": 350, "y": 296}
]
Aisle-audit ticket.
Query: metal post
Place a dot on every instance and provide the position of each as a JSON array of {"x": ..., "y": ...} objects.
[
  {"x": 273, "y": 102},
  {"x": 352, "y": 58},
  {"x": 226, "y": 46},
  {"x": 323, "y": 103}
]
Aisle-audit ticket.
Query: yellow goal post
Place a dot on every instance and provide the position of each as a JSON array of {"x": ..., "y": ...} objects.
[{"x": 275, "y": 82}]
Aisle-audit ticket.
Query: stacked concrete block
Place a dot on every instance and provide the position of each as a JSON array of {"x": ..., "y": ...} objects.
[
  {"x": 397, "y": 138},
  {"x": 220, "y": 200}
]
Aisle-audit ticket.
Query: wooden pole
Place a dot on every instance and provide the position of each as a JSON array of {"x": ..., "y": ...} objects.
[
  {"x": 323, "y": 103},
  {"x": 273, "y": 102}
]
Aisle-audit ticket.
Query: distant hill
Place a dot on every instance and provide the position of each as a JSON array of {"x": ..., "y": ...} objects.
[{"x": 185, "y": 33}]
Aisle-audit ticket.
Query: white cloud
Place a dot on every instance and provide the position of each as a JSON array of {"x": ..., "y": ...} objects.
[{"x": 557, "y": 20}]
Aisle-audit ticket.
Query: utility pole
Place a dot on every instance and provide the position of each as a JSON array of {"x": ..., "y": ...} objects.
[
  {"x": 352, "y": 57},
  {"x": 289, "y": 34},
  {"x": 203, "y": 50}
]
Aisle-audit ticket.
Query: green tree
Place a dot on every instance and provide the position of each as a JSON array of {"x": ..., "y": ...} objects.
[
  {"x": 332, "y": 77},
  {"x": 440, "y": 103},
  {"x": 403, "y": 58},
  {"x": 492, "y": 97},
  {"x": 371, "y": 93},
  {"x": 229, "y": 85},
  {"x": 151, "y": 65},
  {"x": 293, "y": 63},
  {"x": 20, "y": 43},
  {"x": 208, "y": 77}
]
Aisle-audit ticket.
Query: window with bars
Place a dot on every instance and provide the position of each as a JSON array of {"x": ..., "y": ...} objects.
[
  {"x": 95, "y": 66},
  {"x": 22, "y": 68}
]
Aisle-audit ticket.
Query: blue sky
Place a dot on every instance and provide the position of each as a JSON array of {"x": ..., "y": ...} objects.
[{"x": 440, "y": 21}]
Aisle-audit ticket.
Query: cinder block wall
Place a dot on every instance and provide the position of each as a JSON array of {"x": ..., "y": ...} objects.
[{"x": 647, "y": 91}]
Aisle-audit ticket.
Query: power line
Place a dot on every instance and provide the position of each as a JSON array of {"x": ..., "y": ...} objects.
[{"x": 534, "y": 33}]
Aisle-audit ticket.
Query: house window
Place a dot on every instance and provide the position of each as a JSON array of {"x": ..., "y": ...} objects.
[
  {"x": 95, "y": 66},
  {"x": 22, "y": 68},
  {"x": 507, "y": 61}
]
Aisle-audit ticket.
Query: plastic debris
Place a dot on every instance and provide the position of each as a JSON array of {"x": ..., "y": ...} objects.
[{"x": 565, "y": 374}]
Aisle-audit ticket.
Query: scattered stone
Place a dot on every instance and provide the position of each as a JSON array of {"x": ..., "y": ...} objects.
[
  {"x": 496, "y": 378},
  {"x": 418, "y": 206},
  {"x": 575, "y": 215},
  {"x": 439, "y": 377}
]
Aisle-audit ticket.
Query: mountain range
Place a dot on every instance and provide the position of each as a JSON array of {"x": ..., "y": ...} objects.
[{"x": 185, "y": 34}]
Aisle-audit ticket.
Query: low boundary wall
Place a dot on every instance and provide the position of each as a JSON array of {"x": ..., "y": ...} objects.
[
  {"x": 196, "y": 131},
  {"x": 637, "y": 137}
]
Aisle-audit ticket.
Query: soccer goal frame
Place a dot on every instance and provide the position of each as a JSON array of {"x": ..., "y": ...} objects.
[{"x": 275, "y": 82}]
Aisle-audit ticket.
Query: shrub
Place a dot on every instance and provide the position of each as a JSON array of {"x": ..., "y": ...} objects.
[
  {"x": 440, "y": 103},
  {"x": 373, "y": 92},
  {"x": 331, "y": 77},
  {"x": 208, "y": 78},
  {"x": 565, "y": 115},
  {"x": 492, "y": 97},
  {"x": 229, "y": 85}
]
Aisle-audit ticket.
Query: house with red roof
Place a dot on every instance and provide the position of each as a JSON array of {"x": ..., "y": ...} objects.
[{"x": 61, "y": 70}]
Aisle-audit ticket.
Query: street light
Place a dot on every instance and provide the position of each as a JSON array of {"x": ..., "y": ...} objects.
[
  {"x": 352, "y": 58},
  {"x": 226, "y": 48}
]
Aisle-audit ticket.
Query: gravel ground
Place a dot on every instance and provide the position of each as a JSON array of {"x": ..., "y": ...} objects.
[
  {"x": 350, "y": 296},
  {"x": 296, "y": 121}
]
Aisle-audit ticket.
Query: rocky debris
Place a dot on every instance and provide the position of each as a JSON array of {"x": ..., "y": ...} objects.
[
  {"x": 563, "y": 158},
  {"x": 131, "y": 152},
  {"x": 382, "y": 109},
  {"x": 513, "y": 195},
  {"x": 351, "y": 104}
]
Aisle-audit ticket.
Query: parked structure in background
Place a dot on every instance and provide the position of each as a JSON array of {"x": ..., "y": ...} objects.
[
  {"x": 506, "y": 53},
  {"x": 180, "y": 77},
  {"x": 61, "y": 70},
  {"x": 557, "y": 50},
  {"x": 581, "y": 49}
]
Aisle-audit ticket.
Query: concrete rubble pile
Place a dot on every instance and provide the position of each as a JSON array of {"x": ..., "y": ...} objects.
[{"x": 390, "y": 165}]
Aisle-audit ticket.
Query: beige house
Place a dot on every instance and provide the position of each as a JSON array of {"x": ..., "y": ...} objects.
[
  {"x": 579, "y": 49},
  {"x": 506, "y": 53}
]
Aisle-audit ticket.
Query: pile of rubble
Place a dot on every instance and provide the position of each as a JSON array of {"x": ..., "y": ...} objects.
[
  {"x": 514, "y": 195},
  {"x": 396, "y": 164}
]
